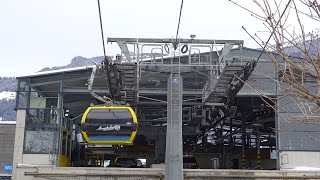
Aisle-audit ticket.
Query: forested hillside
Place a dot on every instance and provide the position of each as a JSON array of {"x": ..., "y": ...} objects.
[
  {"x": 7, "y": 84},
  {"x": 7, "y": 112}
]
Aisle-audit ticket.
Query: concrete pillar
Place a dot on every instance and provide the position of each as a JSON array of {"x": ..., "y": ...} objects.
[{"x": 19, "y": 141}]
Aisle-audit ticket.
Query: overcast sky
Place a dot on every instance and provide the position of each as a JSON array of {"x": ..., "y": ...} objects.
[{"x": 35, "y": 33}]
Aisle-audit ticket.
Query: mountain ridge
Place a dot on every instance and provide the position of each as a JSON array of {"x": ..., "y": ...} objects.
[{"x": 77, "y": 61}]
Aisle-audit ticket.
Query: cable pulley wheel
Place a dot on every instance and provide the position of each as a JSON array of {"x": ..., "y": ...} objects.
[{"x": 184, "y": 49}]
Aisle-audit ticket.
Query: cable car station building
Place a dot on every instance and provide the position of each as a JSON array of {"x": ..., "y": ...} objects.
[{"x": 225, "y": 123}]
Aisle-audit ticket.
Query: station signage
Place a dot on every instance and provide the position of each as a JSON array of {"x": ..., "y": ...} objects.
[{"x": 7, "y": 168}]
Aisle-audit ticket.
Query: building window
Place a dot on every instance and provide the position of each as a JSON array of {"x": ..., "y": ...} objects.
[
  {"x": 41, "y": 131},
  {"x": 22, "y": 94}
]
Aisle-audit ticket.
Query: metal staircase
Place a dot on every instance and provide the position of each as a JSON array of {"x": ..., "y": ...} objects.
[
  {"x": 225, "y": 85},
  {"x": 114, "y": 81},
  {"x": 128, "y": 82}
]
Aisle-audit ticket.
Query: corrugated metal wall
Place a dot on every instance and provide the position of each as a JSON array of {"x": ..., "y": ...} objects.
[{"x": 7, "y": 133}]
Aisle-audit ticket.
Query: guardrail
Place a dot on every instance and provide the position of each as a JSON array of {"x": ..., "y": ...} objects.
[{"x": 5, "y": 177}]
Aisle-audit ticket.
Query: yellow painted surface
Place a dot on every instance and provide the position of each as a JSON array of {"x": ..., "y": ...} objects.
[{"x": 64, "y": 161}]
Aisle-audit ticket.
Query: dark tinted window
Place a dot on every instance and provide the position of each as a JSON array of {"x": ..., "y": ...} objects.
[
  {"x": 125, "y": 160},
  {"x": 189, "y": 160},
  {"x": 109, "y": 116}
]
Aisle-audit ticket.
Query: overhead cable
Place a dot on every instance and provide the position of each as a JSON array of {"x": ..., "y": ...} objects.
[
  {"x": 106, "y": 61},
  {"x": 176, "y": 41}
]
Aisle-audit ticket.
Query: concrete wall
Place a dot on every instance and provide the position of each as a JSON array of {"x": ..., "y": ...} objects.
[
  {"x": 89, "y": 173},
  {"x": 296, "y": 159},
  {"x": 39, "y": 159},
  {"x": 7, "y": 133}
]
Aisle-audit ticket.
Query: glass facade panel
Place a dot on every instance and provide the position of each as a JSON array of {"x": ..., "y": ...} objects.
[
  {"x": 23, "y": 85},
  {"x": 22, "y": 100},
  {"x": 22, "y": 93},
  {"x": 41, "y": 131}
]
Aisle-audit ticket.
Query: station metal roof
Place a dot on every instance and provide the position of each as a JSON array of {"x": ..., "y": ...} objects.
[{"x": 52, "y": 72}]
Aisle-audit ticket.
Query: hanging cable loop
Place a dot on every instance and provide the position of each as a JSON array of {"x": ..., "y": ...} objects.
[{"x": 184, "y": 48}]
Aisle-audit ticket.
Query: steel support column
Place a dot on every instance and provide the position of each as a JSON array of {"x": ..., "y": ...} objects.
[
  {"x": 59, "y": 120},
  {"x": 258, "y": 150},
  {"x": 174, "y": 152},
  {"x": 230, "y": 143},
  {"x": 243, "y": 148}
]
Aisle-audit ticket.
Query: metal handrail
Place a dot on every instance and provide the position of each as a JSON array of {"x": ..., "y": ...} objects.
[{"x": 206, "y": 46}]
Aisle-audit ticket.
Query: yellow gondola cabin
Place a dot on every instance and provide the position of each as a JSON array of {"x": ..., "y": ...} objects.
[{"x": 116, "y": 125}]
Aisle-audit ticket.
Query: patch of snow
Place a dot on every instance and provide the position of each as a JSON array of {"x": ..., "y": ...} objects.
[
  {"x": 306, "y": 168},
  {"x": 8, "y": 122},
  {"x": 7, "y": 95}
]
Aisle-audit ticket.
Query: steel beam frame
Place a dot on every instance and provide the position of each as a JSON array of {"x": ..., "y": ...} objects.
[{"x": 166, "y": 41}]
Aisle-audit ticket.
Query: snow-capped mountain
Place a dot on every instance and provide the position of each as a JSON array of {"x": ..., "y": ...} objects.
[
  {"x": 7, "y": 98},
  {"x": 7, "y": 95}
]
